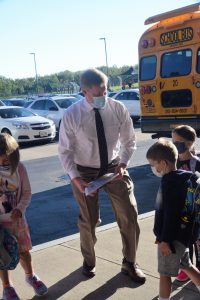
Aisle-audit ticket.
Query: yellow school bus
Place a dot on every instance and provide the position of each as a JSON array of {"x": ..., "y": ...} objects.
[{"x": 169, "y": 71}]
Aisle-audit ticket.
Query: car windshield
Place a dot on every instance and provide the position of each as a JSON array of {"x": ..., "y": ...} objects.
[
  {"x": 65, "y": 102},
  {"x": 9, "y": 113}
]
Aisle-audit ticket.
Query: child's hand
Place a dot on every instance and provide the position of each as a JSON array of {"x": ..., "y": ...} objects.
[
  {"x": 16, "y": 214},
  {"x": 165, "y": 249}
]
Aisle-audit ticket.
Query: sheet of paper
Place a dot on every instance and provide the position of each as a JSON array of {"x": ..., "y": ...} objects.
[{"x": 99, "y": 182}]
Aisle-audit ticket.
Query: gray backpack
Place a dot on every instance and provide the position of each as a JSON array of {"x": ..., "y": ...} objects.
[
  {"x": 193, "y": 162},
  {"x": 9, "y": 252}
]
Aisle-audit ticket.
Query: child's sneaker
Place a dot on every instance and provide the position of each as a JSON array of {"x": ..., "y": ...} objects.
[
  {"x": 38, "y": 286},
  {"x": 10, "y": 294},
  {"x": 182, "y": 276}
]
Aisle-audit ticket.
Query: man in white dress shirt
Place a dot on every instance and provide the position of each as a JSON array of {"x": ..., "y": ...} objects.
[{"x": 88, "y": 151}]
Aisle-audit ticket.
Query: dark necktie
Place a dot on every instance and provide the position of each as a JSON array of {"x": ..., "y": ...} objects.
[{"x": 103, "y": 151}]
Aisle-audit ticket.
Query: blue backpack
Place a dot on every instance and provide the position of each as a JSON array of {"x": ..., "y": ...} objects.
[{"x": 9, "y": 252}]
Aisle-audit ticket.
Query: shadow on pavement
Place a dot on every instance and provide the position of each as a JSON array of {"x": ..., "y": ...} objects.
[
  {"x": 110, "y": 287},
  {"x": 53, "y": 214},
  {"x": 63, "y": 286},
  {"x": 182, "y": 294}
]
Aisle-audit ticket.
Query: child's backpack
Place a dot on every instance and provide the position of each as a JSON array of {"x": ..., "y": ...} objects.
[
  {"x": 9, "y": 252},
  {"x": 193, "y": 162},
  {"x": 191, "y": 211}
]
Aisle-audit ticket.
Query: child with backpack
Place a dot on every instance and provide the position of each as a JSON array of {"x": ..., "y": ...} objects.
[
  {"x": 184, "y": 137},
  {"x": 15, "y": 195},
  {"x": 172, "y": 226}
]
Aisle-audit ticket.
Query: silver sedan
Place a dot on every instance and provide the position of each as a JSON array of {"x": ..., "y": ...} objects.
[{"x": 24, "y": 125}]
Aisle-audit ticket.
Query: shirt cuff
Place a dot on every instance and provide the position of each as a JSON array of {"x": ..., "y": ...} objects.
[
  {"x": 124, "y": 161},
  {"x": 73, "y": 174}
]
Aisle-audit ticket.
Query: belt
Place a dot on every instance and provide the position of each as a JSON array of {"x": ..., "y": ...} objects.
[{"x": 113, "y": 163}]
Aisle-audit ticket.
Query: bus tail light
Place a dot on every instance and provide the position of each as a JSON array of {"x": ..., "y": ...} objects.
[
  {"x": 147, "y": 89},
  {"x": 153, "y": 88},
  {"x": 197, "y": 84},
  {"x": 151, "y": 42},
  {"x": 142, "y": 90},
  {"x": 144, "y": 44}
]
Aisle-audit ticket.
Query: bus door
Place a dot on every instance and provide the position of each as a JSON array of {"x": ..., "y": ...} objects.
[
  {"x": 197, "y": 82},
  {"x": 175, "y": 83}
]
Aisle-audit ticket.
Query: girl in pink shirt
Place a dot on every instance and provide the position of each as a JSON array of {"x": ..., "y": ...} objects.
[{"x": 15, "y": 196}]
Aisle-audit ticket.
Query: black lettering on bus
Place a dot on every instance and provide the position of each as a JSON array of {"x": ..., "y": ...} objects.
[
  {"x": 175, "y": 82},
  {"x": 162, "y": 84}
]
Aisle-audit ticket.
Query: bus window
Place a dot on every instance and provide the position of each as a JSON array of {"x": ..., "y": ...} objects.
[
  {"x": 176, "y": 98},
  {"x": 148, "y": 68},
  {"x": 198, "y": 61},
  {"x": 176, "y": 63}
]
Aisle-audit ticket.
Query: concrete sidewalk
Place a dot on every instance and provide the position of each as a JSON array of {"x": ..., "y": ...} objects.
[{"x": 59, "y": 263}]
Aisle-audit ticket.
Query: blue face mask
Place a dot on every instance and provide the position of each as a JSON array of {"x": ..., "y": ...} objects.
[
  {"x": 99, "y": 102},
  {"x": 181, "y": 147}
]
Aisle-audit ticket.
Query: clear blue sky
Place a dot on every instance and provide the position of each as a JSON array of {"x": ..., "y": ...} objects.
[{"x": 64, "y": 34}]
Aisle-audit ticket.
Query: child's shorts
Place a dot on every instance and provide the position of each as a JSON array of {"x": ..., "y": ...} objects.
[{"x": 169, "y": 265}]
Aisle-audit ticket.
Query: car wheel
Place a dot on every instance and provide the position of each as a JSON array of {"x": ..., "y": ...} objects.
[{"x": 5, "y": 130}]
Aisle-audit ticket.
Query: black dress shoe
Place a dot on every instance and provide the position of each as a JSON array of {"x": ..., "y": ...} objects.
[
  {"x": 88, "y": 271},
  {"x": 133, "y": 271}
]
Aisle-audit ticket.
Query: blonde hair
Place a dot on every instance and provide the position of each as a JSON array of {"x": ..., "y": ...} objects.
[
  {"x": 92, "y": 77},
  {"x": 10, "y": 148},
  {"x": 163, "y": 150}
]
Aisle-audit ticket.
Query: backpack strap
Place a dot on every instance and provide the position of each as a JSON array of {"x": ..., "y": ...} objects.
[{"x": 193, "y": 162}]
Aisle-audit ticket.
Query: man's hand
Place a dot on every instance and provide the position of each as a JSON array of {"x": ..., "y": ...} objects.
[
  {"x": 80, "y": 184},
  {"x": 16, "y": 214},
  {"x": 165, "y": 248},
  {"x": 120, "y": 170}
]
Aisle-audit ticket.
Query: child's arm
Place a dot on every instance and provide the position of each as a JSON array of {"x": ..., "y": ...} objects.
[
  {"x": 173, "y": 202},
  {"x": 25, "y": 195}
]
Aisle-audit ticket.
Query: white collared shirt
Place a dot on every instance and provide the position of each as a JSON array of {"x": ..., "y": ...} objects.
[{"x": 78, "y": 142}]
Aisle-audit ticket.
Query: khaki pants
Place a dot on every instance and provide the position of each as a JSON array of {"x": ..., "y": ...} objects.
[{"x": 125, "y": 208}]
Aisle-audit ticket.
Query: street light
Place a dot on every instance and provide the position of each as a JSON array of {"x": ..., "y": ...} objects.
[
  {"x": 36, "y": 76},
  {"x": 105, "y": 53}
]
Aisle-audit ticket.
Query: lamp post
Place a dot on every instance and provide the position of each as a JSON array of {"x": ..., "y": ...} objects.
[
  {"x": 36, "y": 76},
  {"x": 104, "y": 39}
]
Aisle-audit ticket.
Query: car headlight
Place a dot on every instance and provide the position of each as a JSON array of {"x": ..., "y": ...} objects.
[
  {"x": 52, "y": 124},
  {"x": 20, "y": 125}
]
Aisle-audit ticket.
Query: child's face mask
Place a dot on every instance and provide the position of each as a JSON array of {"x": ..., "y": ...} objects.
[
  {"x": 5, "y": 168},
  {"x": 4, "y": 163},
  {"x": 181, "y": 147},
  {"x": 156, "y": 173}
]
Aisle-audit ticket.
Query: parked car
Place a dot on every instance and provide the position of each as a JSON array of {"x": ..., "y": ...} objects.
[
  {"x": 1, "y": 103},
  {"x": 24, "y": 125},
  {"x": 14, "y": 102},
  {"x": 51, "y": 108},
  {"x": 111, "y": 94},
  {"x": 131, "y": 99},
  {"x": 78, "y": 96}
]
